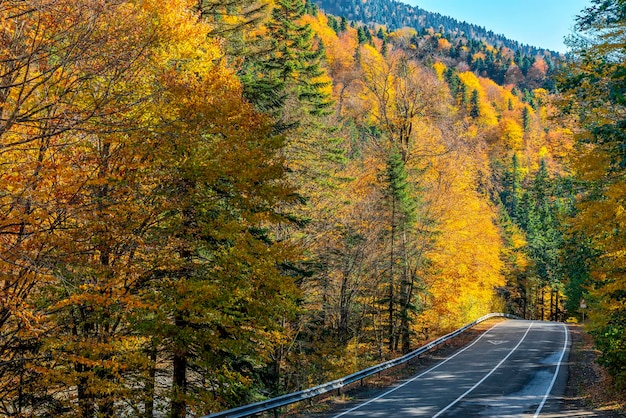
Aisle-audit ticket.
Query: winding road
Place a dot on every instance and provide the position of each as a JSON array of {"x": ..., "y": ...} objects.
[{"x": 515, "y": 369}]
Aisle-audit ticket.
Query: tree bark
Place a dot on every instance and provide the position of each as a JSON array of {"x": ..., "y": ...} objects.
[{"x": 178, "y": 404}]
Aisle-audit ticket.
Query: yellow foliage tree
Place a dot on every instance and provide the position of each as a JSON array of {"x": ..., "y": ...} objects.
[
  {"x": 468, "y": 244},
  {"x": 512, "y": 134}
]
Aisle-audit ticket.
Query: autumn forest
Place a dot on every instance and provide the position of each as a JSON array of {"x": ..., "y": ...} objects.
[{"x": 207, "y": 203}]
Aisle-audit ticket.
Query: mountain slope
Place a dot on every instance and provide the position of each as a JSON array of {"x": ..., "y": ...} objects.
[{"x": 395, "y": 15}]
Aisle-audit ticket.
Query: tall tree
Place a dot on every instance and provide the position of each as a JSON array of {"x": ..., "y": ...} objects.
[
  {"x": 221, "y": 301},
  {"x": 400, "y": 282},
  {"x": 142, "y": 234},
  {"x": 526, "y": 118},
  {"x": 64, "y": 93},
  {"x": 474, "y": 104},
  {"x": 399, "y": 92}
]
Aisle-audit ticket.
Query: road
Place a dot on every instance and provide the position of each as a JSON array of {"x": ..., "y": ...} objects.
[{"x": 515, "y": 369}]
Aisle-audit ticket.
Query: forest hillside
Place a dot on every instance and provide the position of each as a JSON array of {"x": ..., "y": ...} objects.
[{"x": 397, "y": 14}]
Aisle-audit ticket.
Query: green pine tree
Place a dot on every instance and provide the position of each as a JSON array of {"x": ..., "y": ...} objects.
[
  {"x": 295, "y": 61},
  {"x": 401, "y": 283},
  {"x": 343, "y": 26},
  {"x": 333, "y": 23},
  {"x": 526, "y": 119},
  {"x": 474, "y": 105},
  {"x": 511, "y": 194},
  {"x": 361, "y": 36}
]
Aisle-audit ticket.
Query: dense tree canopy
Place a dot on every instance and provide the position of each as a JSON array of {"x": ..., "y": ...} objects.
[{"x": 595, "y": 94}]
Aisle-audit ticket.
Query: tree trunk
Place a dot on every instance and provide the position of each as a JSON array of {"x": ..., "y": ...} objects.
[
  {"x": 407, "y": 294},
  {"x": 391, "y": 293},
  {"x": 344, "y": 311},
  {"x": 551, "y": 304},
  {"x": 557, "y": 313},
  {"x": 150, "y": 384},
  {"x": 178, "y": 404},
  {"x": 85, "y": 400},
  {"x": 525, "y": 303}
]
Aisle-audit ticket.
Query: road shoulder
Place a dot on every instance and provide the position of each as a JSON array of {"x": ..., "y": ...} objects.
[{"x": 589, "y": 387}]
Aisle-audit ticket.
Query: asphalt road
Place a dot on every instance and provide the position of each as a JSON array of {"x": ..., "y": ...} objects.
[{"x": 516, "y": 369}]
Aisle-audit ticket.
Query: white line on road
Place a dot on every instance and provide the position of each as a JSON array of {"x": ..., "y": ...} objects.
[
  {"x": 419, "y": 375},
  {"x": 486, "y": 376},
  {"x": 556, "y": 373}
]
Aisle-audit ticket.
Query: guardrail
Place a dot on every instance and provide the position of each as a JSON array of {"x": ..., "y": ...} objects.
[{"x": 275, "y": 403}]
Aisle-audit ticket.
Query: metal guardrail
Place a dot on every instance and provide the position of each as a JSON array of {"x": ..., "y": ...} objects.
[{"x": 275, "y": 403}]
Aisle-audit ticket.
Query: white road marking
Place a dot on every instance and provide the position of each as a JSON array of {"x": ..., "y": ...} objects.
[
  {"x": 486, "y": 376},
  {"x": 419, "y": 375},
  {"x": 556, "y": 373},
  {"x": 497, "y": 342}
]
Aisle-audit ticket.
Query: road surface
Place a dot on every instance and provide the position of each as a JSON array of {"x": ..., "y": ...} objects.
[{"x": 516, "y": 369}]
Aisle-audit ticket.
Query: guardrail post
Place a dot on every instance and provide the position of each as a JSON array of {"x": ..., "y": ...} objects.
[{"x": 276, "y": 413}]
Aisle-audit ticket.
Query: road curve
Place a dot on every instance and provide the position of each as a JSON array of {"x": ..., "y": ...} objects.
[{"x": 515, "y": 369}]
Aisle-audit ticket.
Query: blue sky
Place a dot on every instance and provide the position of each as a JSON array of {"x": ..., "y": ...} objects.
[{"x": 542, "y": 23}]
